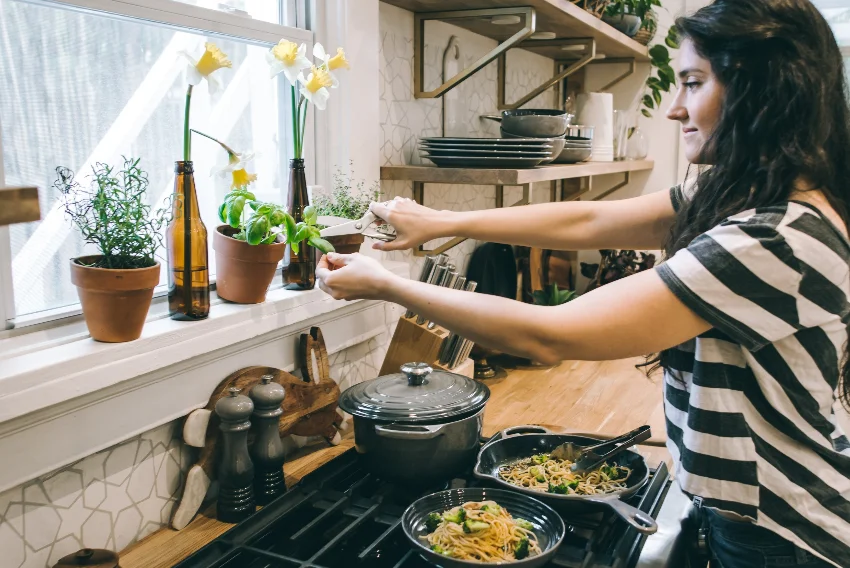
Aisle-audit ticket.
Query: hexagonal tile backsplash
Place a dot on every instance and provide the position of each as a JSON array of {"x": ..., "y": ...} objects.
[{"x": 118, "y": 496}]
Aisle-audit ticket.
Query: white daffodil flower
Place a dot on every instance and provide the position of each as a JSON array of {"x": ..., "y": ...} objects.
[
  {"x": 289, "y": 58},
  {"x": 315, "y": 86},
  {"x": 212, "y": 60},
  {"x": 235, "y": 168},
  {"x": 329, "y": 63}
]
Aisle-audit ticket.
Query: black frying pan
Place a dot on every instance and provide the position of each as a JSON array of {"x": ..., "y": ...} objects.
[{"x": 522, "y": 442}]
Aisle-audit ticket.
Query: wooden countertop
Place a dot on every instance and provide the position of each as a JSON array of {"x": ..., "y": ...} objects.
[{"x": 607, "y": 398}]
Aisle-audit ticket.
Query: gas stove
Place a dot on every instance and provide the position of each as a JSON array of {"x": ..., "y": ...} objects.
[{"x": 340, "y": 516}]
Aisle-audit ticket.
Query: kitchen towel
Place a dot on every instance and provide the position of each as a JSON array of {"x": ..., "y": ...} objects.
[{"x": 597, "y": 110}]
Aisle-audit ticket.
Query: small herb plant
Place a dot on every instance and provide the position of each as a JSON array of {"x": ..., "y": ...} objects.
[
  {"x": 258, "y": 222},
  {"x": 347, "y": 200},
  {"x": 552, "y": 296},
  {"x": 267, "y": 220},
  {"x": 112, "y": 213}
]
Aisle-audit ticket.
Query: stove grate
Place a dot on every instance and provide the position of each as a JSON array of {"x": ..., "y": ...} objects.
[{"x": 342, "y": 517}]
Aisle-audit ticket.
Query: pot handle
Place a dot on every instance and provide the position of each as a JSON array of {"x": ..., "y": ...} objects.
[
  {"x": 516, "y": 431},
  {"x": 524, "y": 429},
  {"x": 640, "y": 521},
  {"x": 405, "y": 432}
]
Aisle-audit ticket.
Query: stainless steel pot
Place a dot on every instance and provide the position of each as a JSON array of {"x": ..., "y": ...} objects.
[{"x": 419, "y": 427}]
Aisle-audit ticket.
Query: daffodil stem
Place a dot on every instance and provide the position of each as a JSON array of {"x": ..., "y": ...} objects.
[
  {"x": 227, "y": 148},
  {"x": 304, "y": 122},
  {"x": 187, "y": 135},
  {"x": 295, "y": 124}
]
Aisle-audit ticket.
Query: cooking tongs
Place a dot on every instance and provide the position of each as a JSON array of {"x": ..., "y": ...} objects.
[
  {"x": 588, "y": 458},
  {"x": 338, "y": 226}
]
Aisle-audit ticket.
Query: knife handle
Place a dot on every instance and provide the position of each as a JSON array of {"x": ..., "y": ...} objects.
[{"x": 424, "y": 274}]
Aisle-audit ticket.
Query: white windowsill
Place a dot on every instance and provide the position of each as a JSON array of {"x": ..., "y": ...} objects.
[{"x": 65, "y": 369}]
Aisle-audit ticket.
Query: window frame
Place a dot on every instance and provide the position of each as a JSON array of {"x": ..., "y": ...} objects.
[{"x": 180, "y": 17}]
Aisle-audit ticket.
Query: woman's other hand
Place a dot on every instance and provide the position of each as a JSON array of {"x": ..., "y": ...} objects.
[
  {"x": 414, "y": 224},
  {"x": 353, "y": 277}
]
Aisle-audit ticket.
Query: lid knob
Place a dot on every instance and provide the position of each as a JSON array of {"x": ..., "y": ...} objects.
[{"x": 417, "y": 373}]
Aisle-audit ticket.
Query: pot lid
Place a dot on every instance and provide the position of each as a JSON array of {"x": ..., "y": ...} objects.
[
  {"x": 418, "y": 394},
  {"x": 89, "y": 557}
]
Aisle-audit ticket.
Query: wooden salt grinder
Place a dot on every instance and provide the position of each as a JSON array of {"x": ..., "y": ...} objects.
[
  {"x": 267, "y": 451},
  {"x": 236, "y": 472}
]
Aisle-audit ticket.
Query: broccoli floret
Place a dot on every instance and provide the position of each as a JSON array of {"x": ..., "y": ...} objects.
[
  {"x": 611, "y": 472},
  {"x": 538, "y": 473},
  {"x": 470, "y": 526},
  {"x": 523, "y": 524},
  {"x": 432, "y": 522},
  {"x": 440, "y": 550},
  {"x": 540, "y": 458},
  {"x": 521, "y": 550},
  {"x": 456, "y": 516},
  {"x": 562, "y": 489},
  {"x": 495, "y": 509}
]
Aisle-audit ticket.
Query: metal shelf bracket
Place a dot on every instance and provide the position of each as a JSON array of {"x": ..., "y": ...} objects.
[
  {"x": 589, "y": 50},
  {"x": 628, "y": 73},
  {"x": 419, "y": 20},
  {"x": 419, "y": 197}
]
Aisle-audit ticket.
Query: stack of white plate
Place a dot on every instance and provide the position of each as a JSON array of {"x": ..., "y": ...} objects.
[
  {"x": 597, "y": 110},
  {"x": 486, "y": 152}
]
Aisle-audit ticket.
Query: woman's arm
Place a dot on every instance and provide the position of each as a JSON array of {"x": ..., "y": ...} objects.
[
  {"x": 637, "y": 223},
  {"x": 633, "y": 316}
]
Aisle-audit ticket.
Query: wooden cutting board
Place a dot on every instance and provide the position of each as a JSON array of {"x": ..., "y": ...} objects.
[{"x": 309, "y": 409}]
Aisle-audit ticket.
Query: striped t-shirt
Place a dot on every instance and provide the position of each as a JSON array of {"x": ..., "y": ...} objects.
[{"x": 751, "y": 404}]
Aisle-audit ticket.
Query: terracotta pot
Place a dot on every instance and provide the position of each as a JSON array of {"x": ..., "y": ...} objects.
[
  {"x": 243, "y": 272},
  {"x": 343, "y": 244},
  {"x": 115, "y": 301}
]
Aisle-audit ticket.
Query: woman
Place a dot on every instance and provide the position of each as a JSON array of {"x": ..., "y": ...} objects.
[{"x": 750, "y": 309}]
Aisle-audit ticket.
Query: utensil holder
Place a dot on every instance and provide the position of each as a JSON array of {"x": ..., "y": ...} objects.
[{"x": 415, "y": 342}]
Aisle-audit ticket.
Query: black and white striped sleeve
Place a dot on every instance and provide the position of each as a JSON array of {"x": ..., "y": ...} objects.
[{"x": 741, "y": 277}]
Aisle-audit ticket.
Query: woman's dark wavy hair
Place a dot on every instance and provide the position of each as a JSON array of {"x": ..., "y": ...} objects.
[{"x": 784, "y": 115}]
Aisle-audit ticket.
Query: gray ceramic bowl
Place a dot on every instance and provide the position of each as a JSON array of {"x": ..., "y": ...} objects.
[
  {"x": 535, "y": 123},
  {"x": 557, "y": 148},
  {"x": 548, "y": 526},
  {"x": 573, "y": 155}
]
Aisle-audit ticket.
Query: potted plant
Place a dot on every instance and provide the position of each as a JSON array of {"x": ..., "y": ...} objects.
[
  {"x": 348, "y": 201},
  {"x": 116, "y": 286},
  {"x": 252, "y": 240},
  {"x": 614, "y": 265},
  {"x": 626, "y": 16}
]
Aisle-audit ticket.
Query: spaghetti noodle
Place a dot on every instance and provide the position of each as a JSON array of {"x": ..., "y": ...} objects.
[
  {"x": 481, "y": 531},
  {"x": 546, "y": 474}
]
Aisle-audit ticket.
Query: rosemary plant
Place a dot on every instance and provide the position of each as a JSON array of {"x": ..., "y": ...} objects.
[{"x": 113, "y": 214}]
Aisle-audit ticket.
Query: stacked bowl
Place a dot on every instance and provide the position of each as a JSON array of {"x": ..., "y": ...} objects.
[{"x": 571, "y": 143}]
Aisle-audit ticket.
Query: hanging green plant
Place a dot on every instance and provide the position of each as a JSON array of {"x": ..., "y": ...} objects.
[{"x": 661, "y": 75}]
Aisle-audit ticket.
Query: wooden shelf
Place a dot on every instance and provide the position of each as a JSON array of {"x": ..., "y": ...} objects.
[
  {"x": 19, "y": 205},
  {"x": 559, "y": 16},
  {"x": 483, "y": 176}
]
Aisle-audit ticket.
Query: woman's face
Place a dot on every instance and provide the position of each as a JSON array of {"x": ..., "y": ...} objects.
[{"x": 697, "y": 103}]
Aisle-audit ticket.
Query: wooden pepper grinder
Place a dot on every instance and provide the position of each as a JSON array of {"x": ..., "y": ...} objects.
[
  {"x": 267, "y": 451},
  {"x": 235, "y": 472}
]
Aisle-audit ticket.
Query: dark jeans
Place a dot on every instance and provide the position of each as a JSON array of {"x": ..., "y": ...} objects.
[{"x": 736, "y": 544}]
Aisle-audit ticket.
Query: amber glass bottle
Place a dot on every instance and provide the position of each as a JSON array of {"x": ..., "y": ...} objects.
[
  {"x": 186, "y": 240},
  {"x": 299, "y": 270}
]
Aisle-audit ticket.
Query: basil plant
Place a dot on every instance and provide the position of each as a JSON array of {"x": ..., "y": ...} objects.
[{"x": 260, "y": 223}]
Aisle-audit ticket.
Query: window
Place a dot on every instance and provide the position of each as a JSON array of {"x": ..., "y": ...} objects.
[
  {"x": 79, "y": 86},
  {"x": 837, "y": 13}
]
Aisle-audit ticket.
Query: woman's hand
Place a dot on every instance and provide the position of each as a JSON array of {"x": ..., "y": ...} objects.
[
  {"x": 353, "y": 277},
  {"x": 414, "y": 224}
]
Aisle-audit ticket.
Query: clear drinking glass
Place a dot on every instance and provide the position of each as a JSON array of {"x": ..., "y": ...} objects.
[{"x": 622, "y": 119}]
